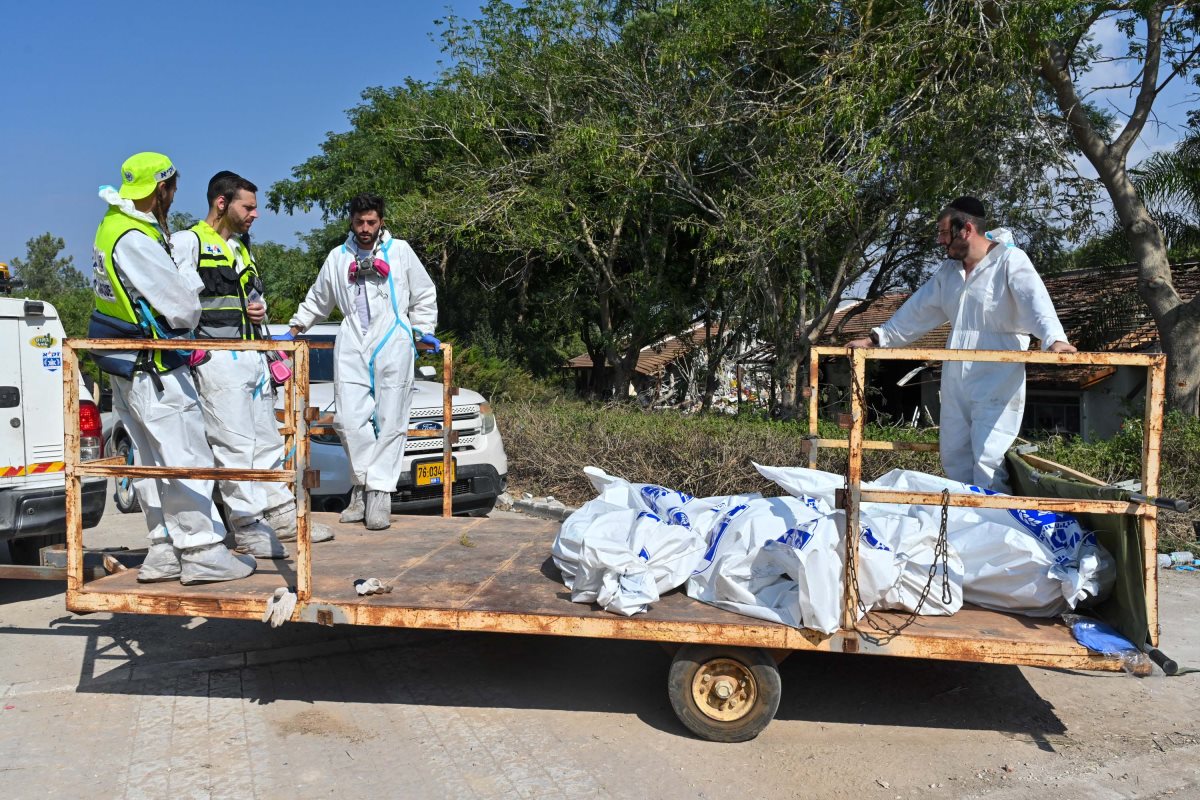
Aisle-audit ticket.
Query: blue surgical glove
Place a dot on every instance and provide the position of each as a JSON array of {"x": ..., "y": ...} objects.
[
  {"x": 286, "y": 336},
  {"x": 431, "y": 340}
]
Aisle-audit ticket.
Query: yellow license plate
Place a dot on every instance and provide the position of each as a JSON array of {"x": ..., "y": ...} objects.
[{"x": 431, "y": 473}]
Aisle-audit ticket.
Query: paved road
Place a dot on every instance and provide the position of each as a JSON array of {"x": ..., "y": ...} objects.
[{"x": 122, "y": 706}]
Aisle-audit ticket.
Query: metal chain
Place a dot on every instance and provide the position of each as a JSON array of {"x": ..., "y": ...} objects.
[{"x": 941, "y": 554}]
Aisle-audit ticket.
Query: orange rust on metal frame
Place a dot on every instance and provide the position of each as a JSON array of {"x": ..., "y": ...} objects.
[
  {"x": 750, "y": 634},
  {"x": 105, "y": 467},
  {"x": 1055, "y": 504},
  {"x": 448, "y": 429},
  {"x": 74, "y": 482},
  {"x": 123, "y": 470},
  {"x": 1009, "y": 356},
  {"x": 107, "y": 461},
  {"x": 858, "y": 377},
  {"x": 813, "y": 408},
  {"x": 259, "y": 345},
  {"x": 300, "y": 462},
  {"x": 1156, "y": 388},
  {"x": 873, "y": 444},
  {"x": 1151, "y": 442}
]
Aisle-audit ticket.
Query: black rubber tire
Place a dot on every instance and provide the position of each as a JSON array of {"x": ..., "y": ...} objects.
[
  {"x": 124, "y": 496},
  {"x": 691, "y": 658}
]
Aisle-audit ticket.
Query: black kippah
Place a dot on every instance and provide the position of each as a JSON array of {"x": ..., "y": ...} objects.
[{"x": 969, "y": 205}]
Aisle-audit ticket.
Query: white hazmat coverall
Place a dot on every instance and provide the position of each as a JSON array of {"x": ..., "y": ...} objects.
[
  {"x": 996, "y": 307},
  {"x": 167, "y": 427},
  {"x": 373, "y": 368},
  {"x": 239, "y": 408}
]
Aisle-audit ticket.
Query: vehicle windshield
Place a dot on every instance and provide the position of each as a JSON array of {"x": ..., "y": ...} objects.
[{"x": 320, "y": 362}]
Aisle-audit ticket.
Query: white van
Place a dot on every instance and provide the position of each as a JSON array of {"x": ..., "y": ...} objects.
[{"x": 32, "y": 497}]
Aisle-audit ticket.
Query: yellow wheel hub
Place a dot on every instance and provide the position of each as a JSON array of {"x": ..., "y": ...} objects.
[{"x": 724, "y": 689}]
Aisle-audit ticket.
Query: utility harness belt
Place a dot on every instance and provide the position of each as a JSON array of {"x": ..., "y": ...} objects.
[{"x": 126, "y": 363}]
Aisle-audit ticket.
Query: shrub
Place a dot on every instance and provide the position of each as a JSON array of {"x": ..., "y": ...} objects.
[
  {"x": 550, "y": 440},
  {"x": 548, "y": 444},
  {"x": 1120, "y": 459},
  {"x": 498, "y": 379}
]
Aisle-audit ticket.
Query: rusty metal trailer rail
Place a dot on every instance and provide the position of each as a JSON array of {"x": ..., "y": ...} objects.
[
  {"x": 494, "y": 575},
  {"x": 856, "y": 443}
]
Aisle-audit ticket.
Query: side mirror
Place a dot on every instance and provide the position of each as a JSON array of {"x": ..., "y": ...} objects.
[{"x": 427, "y": 372}]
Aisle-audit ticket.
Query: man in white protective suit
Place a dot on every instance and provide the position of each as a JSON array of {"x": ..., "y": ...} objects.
[
  {"x": 989, "y": 292},
  {"x": 389, "y": 304},
  {"x": 141, "y": 294},
  {"x": 236, "y": 392}
]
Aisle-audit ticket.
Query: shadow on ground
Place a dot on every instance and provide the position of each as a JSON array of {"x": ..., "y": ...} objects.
[{"x": 132, "y": 654}]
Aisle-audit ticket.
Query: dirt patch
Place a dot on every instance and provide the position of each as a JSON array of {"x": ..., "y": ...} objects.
[{"x": 316, "y": 722}]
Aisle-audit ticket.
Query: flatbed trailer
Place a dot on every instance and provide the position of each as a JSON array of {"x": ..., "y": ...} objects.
[{"x": 496, "y": 575}]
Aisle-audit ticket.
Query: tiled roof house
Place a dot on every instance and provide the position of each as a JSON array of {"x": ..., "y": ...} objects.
[{"x": 1100, "y": 311}]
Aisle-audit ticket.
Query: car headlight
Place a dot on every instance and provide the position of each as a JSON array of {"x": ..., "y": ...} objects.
[{"x": 487, "y": 419}]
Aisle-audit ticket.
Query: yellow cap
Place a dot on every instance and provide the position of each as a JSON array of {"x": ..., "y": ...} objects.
[{"x": 142, "y": 172}]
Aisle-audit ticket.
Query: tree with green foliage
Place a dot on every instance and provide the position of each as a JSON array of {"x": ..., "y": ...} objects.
[
  {"x": 180, "y": 221},
  {"x": 614, "y": 170},
  {"x": 1169, "y": 184},
  {"x": 1058, "y": 42},
  {"x": 51, "y": 277},
  {"x": 43, "y": 271},
  {"x": 287, "y": 274}
]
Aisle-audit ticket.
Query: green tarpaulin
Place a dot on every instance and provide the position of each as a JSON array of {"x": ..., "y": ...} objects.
[{"x": 1125, "y": 607}]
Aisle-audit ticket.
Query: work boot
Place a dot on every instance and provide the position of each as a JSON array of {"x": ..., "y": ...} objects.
[
  {"x": 357, "y": 508},
  {"x": 258, "y": 539},
  {"x": 283, "y": 520},
  {"x": 161, "y": 562},
  {"x": 214, "y": 562},
  {"x": 379, "y": 510}
]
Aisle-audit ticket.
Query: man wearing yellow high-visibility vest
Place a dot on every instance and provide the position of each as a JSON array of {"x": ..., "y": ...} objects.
[
  {"x": 141, "y": 294},
  {"x": 236, "y": 392}
]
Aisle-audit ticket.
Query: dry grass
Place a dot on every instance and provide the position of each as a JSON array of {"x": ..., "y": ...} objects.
[{"x": 549, "y": 442}]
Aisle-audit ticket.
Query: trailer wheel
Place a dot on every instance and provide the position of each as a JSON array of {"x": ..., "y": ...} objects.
[{"x": 724, "y": 694}]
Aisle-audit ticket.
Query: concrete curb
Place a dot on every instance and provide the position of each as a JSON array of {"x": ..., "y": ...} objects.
[{"x": 540, "y": 508}]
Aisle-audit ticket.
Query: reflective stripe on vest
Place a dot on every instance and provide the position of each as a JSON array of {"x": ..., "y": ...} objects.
[{"x": 223, "y": 298}]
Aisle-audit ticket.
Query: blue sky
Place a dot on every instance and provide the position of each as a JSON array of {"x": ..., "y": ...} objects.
[
  {"x": 87, "y": 84},
  {"x": 84, "y": 85}
]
